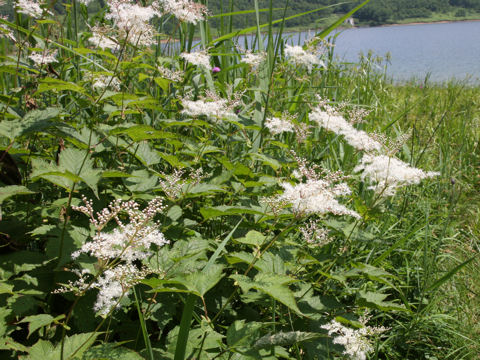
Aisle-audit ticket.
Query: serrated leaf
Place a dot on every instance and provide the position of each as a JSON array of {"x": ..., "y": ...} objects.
[
  {"x": 50, "y": 84},
  {"x": 77, "y": 344},
  {"x": 175, "y": 212},
  {"x": 241, "y": 336},
  {"x": 38, "y": 321},
  {"x": 140, "y": 181},
  {"x": 375, "y": 300},
  {"x": 110, "y": 351},
  {"x": 12, "y": 190},
  {"x": 33, "y": 121},
  {"x": 223, "y": 210},
  {"x": 284, "y": 338},
  {"x": 42, "y": 349},
  {"x": 6, "y": 288},
  {"x": 197, "y": 283},
  {"x": 114, "y": 174},
  {"x": 78, "y": 162},
  {"x": 253, "y": 238},
  {"x": 202, "y": 189},
  {"x": 143, "y": 132},
  {"x": 271, "y": 284},
  {"x": 273, "y": 163},
  {"x": 74, "y": 166},
  {"x": 146, "y": 154}
]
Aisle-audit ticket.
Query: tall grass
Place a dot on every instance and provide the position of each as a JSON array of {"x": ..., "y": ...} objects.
[{"x": 237, "y": 280}]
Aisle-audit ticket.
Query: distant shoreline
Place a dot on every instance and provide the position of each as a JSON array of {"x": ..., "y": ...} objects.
[{"x": 426, "y": 22}]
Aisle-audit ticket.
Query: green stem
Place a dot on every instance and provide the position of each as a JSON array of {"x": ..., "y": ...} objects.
[{"x": 143, "y": 326}]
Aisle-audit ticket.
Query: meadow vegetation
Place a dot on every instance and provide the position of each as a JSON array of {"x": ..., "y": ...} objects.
[{"x": 167, "y": 198}]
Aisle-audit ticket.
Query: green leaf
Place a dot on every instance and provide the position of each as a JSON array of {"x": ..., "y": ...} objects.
[
  {"x": 74, "y": 166},
  {"x": 209, "y": 213},
  {"x": 241, "y": 336},
  {"x": 448, "y": 275},
  {"x": 197, "y": 283},
  {"x": 77, "y": 344},
  {"x": 141, "y": 181},
  {"x": 80, "y": 163},
  {"x": 110, "y": 351},
  {"x": 201, "y": 189},
  {"x": 143, "y": 132},
  {"x": 38, "y": 321},
  {"x": 271, "y": 284},
  {"x": 284, "y": 338},
  {"x": 253, "y": 238},
  {"x": 42, "y": 349},
  {"x": 375, "y": 300},
  {"x": 146, "y": 154},
  {"x": 50, "y": 84},
  {"x": 6, "y": 288},
  {"x": 12, "y": 190},
  {"x": 273, "y": 163},
  {"x": 114, "y": 174},
  {"x": 175, "y": 212},
  {"x": 33, "y": 121}
]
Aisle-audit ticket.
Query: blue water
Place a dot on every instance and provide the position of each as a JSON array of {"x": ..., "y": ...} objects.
[{"x": 444, "y": 51}]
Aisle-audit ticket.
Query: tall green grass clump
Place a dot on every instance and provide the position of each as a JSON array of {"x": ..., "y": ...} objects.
[{"x": 227, "y": 197}]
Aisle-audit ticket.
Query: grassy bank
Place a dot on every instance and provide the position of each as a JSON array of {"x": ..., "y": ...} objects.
[{"x": 229, "y": 203}]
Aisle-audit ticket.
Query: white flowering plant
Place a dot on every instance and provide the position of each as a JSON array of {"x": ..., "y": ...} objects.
[{"x": 165, "y": 197}]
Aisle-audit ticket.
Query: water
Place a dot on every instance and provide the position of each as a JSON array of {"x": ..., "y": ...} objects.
[
  {"x": 442, "y": 51},
  {"x": 445, "y": 51}
]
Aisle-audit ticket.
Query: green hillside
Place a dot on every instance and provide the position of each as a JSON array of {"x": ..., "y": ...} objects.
[{"x": 377, "y": 12}]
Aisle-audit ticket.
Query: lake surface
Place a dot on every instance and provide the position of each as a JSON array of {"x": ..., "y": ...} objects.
[{"x": 444, "y": 50}]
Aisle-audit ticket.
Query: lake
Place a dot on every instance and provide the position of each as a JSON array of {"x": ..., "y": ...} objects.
[{"x": 443, "y": 50}]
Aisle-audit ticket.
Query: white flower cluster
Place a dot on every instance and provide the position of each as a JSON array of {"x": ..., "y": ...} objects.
[
  {"x": 100, "y": 81},
  {"x": 132, "y": 21},
  {"x": 173, "y": 184},
  {"x": 215, "y": 108},
  {"x": 278, "y": 125},
  {"x": 4, "y": 30},
  {"x": 119, "y": 252},
  {"x": 114, "y": 284},
  {"x": 31, "y": 8},
  {"x": 314, "y": 234},
  {"x": 45, "y": 57},
  {"x": 199, "y": 58},
  {"x": 169, "y": 74},
  {"x": 254, "y": 59},
  {"x": 390, "y": 173},
  {"x": 356, "y": 342},
  {"x": 101, "y": 39},
  {"x": 184, "y": 10},
  {"x": 387, "y": 172},
  {"x": 318, "y": 194},
  {"x": 298, "y": 56},
  {"x": 127, "y": 244},
  {"x": 331, "y": 120}
]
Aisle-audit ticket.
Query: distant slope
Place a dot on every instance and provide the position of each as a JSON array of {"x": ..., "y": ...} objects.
[{"x": 377, "y": 12}]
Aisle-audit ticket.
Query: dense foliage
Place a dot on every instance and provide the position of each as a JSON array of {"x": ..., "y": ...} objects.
[{"x": 227, "y": 203}]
